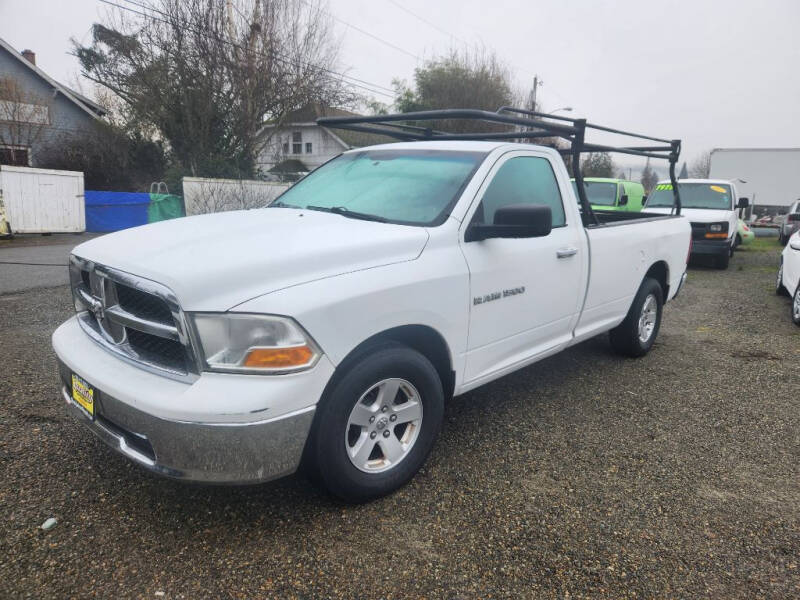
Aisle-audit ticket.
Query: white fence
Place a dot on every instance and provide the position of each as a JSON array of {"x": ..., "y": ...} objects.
[
  {"x": 202, "y": 196},
  {"x": 42, "y": 200}
]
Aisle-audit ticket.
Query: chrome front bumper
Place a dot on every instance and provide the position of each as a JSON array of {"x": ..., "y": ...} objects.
[{"x": 233, "y": 453}]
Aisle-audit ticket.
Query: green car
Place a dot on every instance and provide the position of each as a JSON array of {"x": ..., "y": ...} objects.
[
  {"x": 613, "y": 194},
  {"x": 744, "y": 234}
]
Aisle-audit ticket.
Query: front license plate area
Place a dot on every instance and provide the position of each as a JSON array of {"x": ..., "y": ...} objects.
[{"x": 83, "y": 395}]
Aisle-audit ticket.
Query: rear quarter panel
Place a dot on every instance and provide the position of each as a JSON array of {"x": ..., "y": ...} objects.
[{"x": 621, "y": 254}]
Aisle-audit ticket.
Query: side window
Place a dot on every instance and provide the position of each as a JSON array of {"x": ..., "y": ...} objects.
[
  {"x": 522, "y": 180},
  {"x": 621, "y": 191}
]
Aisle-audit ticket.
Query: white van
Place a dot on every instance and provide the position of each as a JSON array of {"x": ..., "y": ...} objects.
[{"x": 712, "y": 207}]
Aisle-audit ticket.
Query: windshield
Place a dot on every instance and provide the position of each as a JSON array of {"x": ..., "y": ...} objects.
[
  {"x": 600, "y": 193},
  {"x": 693, "y": 195},
  {"x": 413, "y": 187}
]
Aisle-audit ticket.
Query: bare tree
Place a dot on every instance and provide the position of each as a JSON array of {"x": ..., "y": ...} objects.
[
  {"x": 208, "y": 74},
  {"x": 24, "y": 116},
  {"x": 701, "y": 166}
]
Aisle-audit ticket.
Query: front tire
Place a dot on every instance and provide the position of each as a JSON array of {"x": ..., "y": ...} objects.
[
  {"x": 637, "y": 333},
  {"x": 722, "y": 262},
  {"x": 377, "y": 425},
  {"x": 796, "y": 306}
]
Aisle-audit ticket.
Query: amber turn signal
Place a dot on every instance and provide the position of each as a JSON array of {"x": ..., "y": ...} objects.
[
  {"x": 721, "y": 236},
  {"x": 279, "y": 358}
]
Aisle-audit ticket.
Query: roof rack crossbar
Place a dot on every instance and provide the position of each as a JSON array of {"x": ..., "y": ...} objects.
[
  {"x": 534, "y": 113},
  {"x": 443, "y": 137},
  {"x": 631, "y": 151},
  {"x": 627, "y": 133},
  {"x": 451, "y": 113}
]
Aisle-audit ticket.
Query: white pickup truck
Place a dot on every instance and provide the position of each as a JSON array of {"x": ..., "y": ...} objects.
[
  {"x": 712, "y": 206},
  {"x": 332, "y": 326}
]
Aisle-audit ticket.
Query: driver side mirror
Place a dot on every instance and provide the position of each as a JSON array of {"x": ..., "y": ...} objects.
[
  {"x": 743, "y": 203},
  {"x": 623, "y": 200},
  {"x": 514, "y": 221}
]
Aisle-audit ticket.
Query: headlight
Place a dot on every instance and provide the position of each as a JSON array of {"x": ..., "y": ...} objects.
[
  {"x": 241, "y": 343},
  {"x": 715, "y": 227}
]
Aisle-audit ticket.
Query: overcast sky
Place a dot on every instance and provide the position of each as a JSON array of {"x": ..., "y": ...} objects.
[{"x": 716, "y": 73}]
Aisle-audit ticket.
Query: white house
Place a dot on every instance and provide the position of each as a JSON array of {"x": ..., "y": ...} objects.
[{"x": 299, "y": 145}]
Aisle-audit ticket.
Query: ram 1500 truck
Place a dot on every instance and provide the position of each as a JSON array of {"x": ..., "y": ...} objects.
[
  {"x": 711, "y": 205},
  {"x": 331, "y": 326}
]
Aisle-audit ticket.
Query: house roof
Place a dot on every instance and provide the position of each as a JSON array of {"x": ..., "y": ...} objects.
[
  {"x": 82, "y": 102},
  {"x": 308, "y": 115}
]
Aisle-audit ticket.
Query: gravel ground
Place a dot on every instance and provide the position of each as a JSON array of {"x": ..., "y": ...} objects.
[{"x": 586, "y": 475}]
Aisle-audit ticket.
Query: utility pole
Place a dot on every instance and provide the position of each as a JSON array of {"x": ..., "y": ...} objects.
[{"x": 536, "y": 83}]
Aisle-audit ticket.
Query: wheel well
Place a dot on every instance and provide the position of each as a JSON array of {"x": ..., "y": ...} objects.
[
  {"x": 660, "y": 272},
  {"x": 425, "y": 340}
]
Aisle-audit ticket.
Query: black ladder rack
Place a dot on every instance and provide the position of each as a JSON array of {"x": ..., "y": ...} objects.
[{"x": 406, "y": 127}]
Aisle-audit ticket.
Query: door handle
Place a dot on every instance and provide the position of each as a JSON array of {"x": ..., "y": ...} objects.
[{"x": 566, "y": 252}]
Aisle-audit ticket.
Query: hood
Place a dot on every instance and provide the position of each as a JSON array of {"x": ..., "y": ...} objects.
[
  {"x": 697, "y": 215},
  {"x": 214, "y": 262}
]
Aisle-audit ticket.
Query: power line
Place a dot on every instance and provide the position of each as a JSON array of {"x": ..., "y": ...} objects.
[
  {"x": 368, "y": 34},
  {"x": 349, "y": 80},
  {"x": 429, "y": 23},
  {"x": 452, "y": 35},
  {"x": 278, "y": 54}
]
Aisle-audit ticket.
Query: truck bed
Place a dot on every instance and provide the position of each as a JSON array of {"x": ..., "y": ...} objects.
[{"x": 611, "y": 217}]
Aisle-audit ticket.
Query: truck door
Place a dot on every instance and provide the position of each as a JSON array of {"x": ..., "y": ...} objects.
[{"x": 525, "y": 293}]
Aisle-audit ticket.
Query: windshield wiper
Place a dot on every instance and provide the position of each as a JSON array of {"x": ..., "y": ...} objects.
[{"x": 350, "y": 214}]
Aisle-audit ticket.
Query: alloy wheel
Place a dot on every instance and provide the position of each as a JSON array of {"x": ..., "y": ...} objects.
[
  {"x": 647, "y": 319},
  {"x": 383, "y": 425}
]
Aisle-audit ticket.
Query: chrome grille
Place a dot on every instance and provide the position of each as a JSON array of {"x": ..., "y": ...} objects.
[{"x": 133, "y": 317}]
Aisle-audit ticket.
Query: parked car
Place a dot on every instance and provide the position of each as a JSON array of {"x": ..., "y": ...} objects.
[
  {"x": 331, "y": 325},
  {"x": 744, "y": 235},
  {"x": 613, "y": 194},
  {"x": 791, "y": 222},
  {"x": 711, "y": 206},
  {"x": 788, "y": 281}
]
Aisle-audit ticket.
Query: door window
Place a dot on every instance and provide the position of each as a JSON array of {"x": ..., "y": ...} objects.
[{"x": 522, "y": 180}]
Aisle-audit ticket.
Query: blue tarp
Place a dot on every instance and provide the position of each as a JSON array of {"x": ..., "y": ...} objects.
[{"x": 112, "y": 211}]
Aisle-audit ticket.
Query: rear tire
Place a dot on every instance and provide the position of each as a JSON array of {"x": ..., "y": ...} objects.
[
  {"x": 637, "y": 333},
  {"x": 350, "y": 453}
]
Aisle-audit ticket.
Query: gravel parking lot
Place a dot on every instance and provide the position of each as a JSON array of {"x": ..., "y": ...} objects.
[{"x": 586, "y": 475}]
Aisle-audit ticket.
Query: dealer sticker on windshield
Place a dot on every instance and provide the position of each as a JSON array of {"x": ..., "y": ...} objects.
[{"x": 83, "y": 394}]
